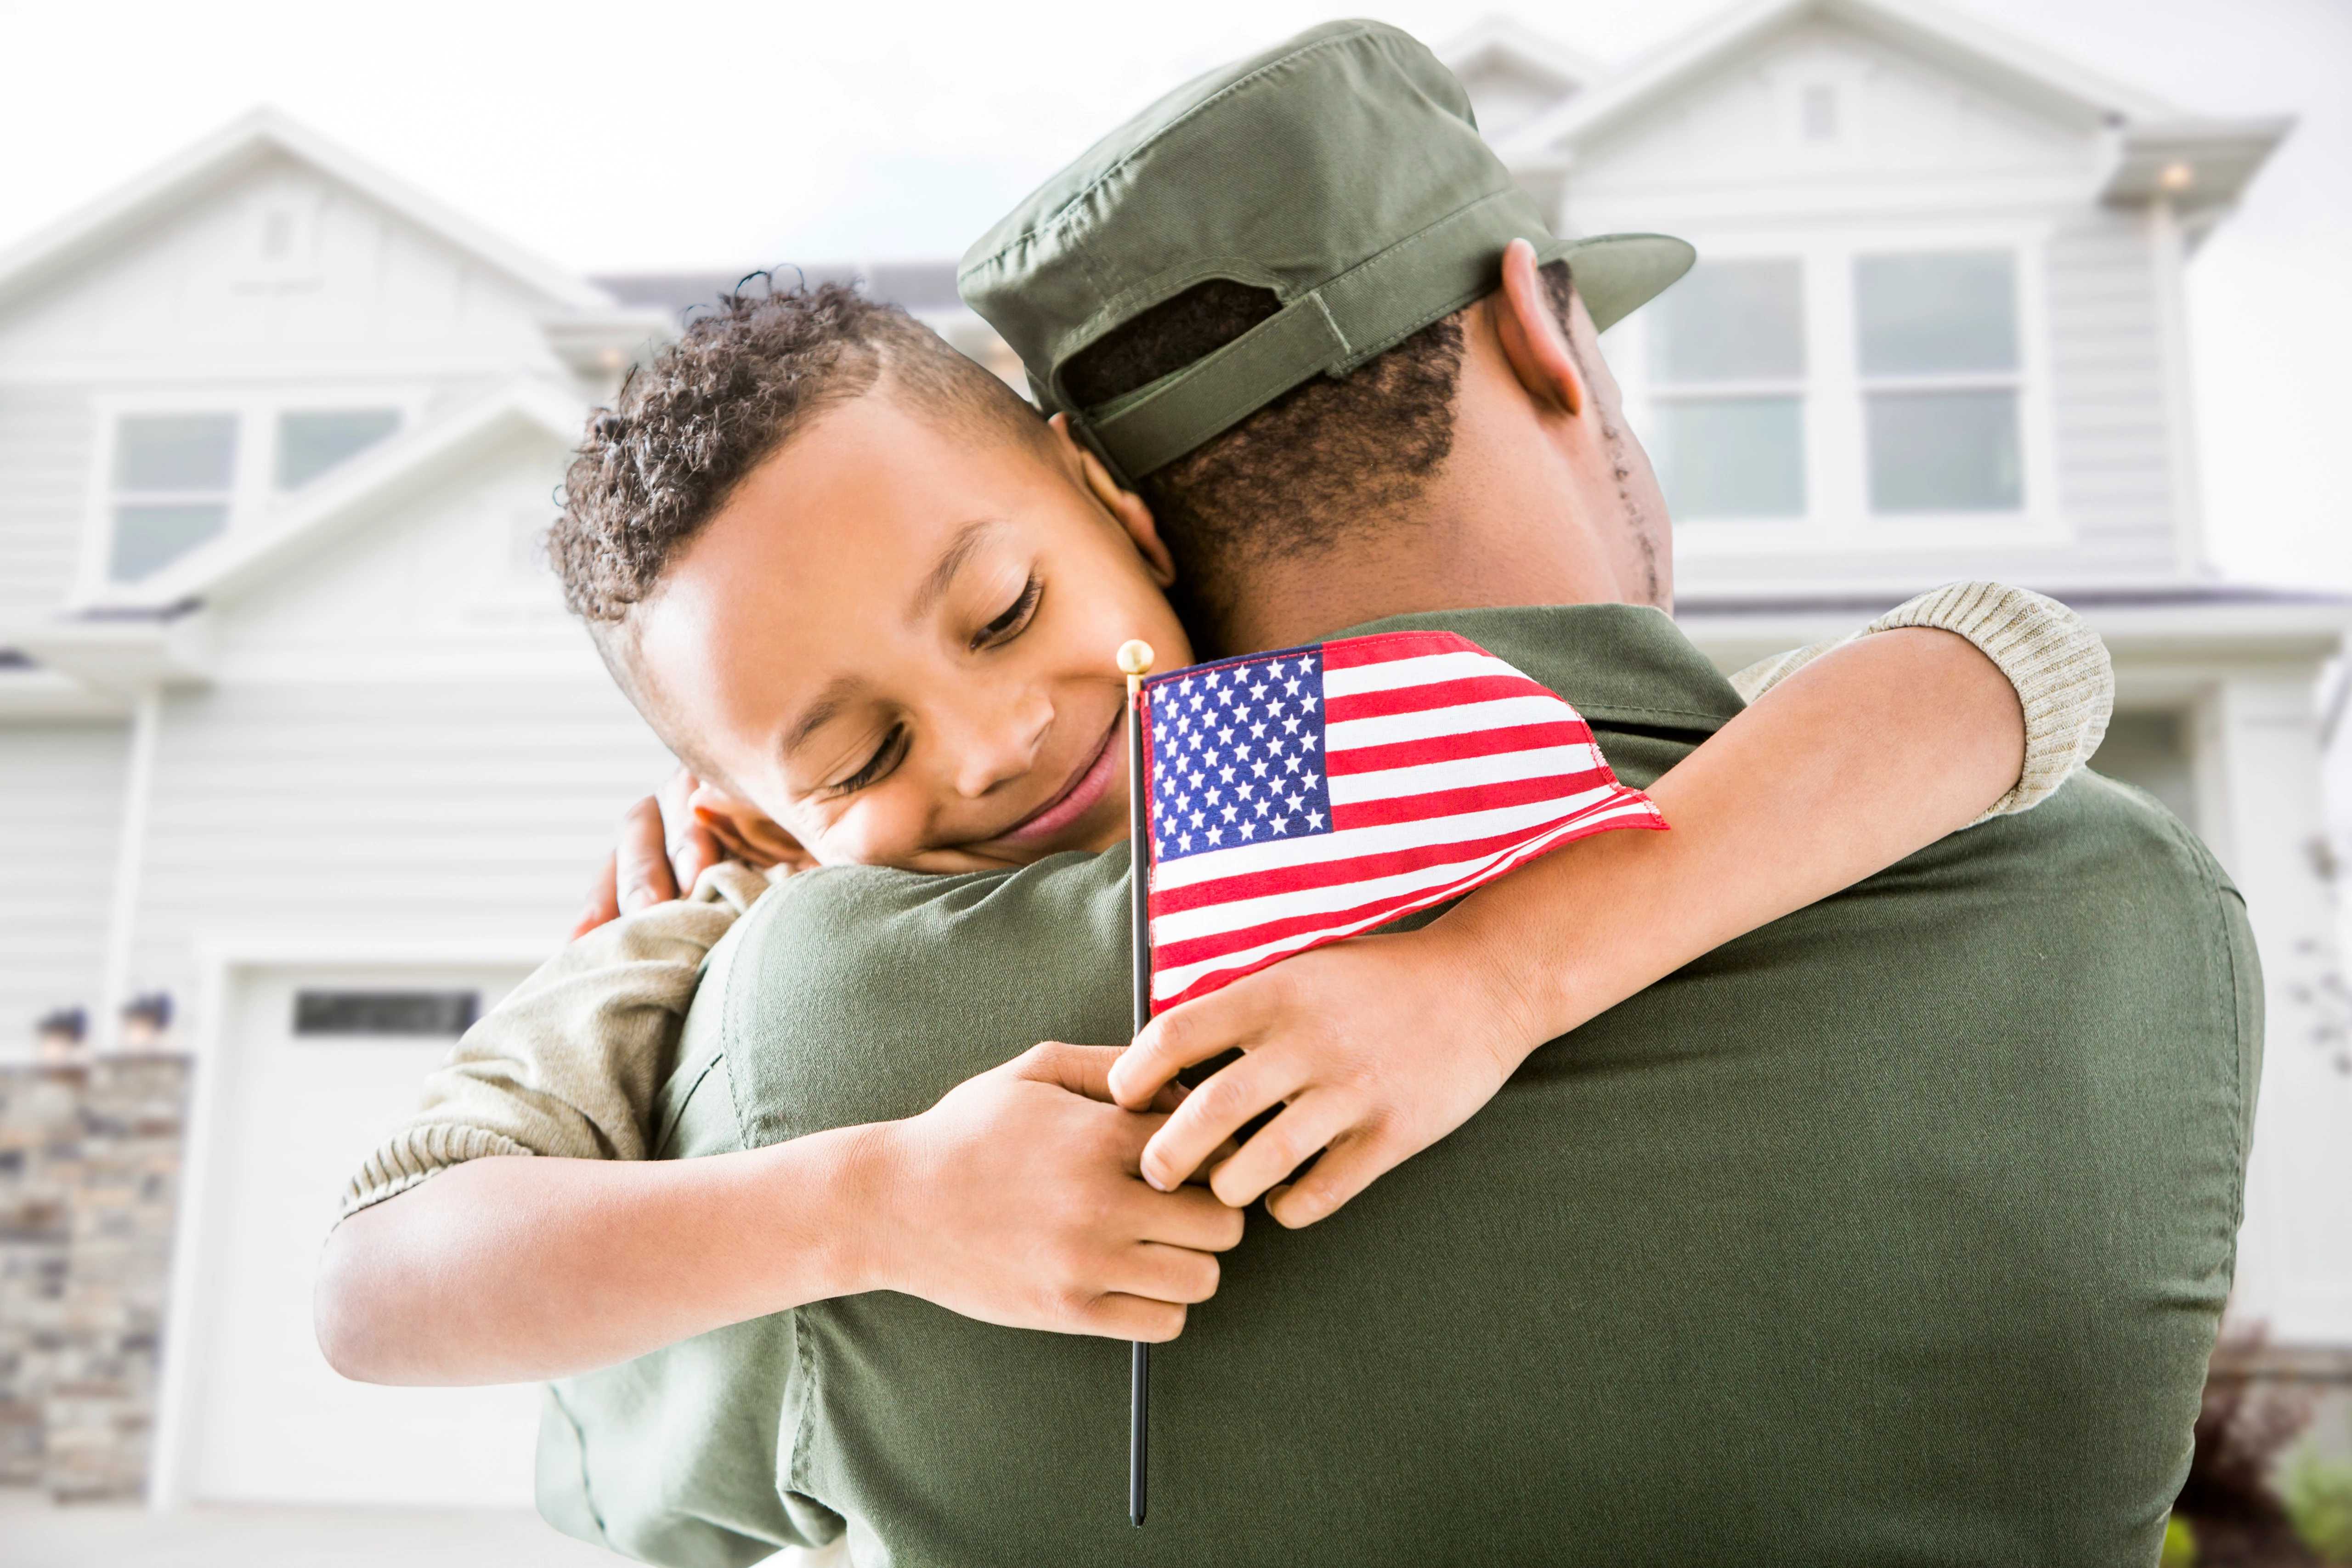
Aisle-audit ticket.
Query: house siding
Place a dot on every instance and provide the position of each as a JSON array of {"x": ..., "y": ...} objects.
[
  {"x": 405, "y": 814},
  {"x": 61, "y": 797},
  {"x": 47, "y": 441},
  {"x": 2113, "y": 442}
]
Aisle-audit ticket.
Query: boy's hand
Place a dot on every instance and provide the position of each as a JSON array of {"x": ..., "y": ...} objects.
[
  {"x": 1016, "y": 1200},
  {"x": 1378, "y": 1046},
  {"x": 666, "y": 841}
]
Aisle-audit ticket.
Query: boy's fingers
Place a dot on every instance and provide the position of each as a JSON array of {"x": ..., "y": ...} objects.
[
  {"x": 1214, "y": 1111},
  {"x": 644, "y": 858},
  {"x": 1122, "y": 1317},
  {"x": 1161, "y": 1273},
  {"x": 1353, "y": 1161},
  {"x": 697, "y": 850},
  {"x": 1189, "y": 1217},
  {"x": 603, "y": 900},
  {"x": 1081, "y": 1070},
  {"x": 1177, "y": 1039},
  {"x": 1279, "y": 1147}
]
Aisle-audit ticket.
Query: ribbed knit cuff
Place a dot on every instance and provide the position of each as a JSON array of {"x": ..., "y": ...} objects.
[
  {"x": 416, "y": 1153},
  {"x": 2065, "y": 681}
]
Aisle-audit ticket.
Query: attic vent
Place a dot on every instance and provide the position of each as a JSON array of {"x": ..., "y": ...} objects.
[
  {"x": 1818, "y": 112},
  {"x": 284, "y": 240}
]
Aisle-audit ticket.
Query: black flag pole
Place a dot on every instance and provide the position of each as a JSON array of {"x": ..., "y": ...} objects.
[{"x": 1135, "y": 662}]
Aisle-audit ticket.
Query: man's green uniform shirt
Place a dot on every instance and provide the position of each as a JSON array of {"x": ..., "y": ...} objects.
[{"x": 1896, "y": 1231}]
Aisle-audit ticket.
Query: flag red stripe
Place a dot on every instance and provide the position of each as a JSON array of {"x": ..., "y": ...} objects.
[
  {"x": 1178, "y": 954},
  {"x": 1469, "y": 798},
  {"x": 1453, "y": 748},
  {"x": 1353, "y": 653},
  {"x": 1435, "y": 694}
]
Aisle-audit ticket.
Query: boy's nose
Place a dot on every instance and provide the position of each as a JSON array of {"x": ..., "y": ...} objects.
[{"x": 1002, "y": 747}]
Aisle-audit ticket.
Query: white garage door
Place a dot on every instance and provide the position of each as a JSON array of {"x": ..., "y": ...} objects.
[{"x": 313, "y": 1067}]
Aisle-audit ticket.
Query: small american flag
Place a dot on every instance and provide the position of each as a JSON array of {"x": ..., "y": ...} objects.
[{"x": 1300, "y": 796}]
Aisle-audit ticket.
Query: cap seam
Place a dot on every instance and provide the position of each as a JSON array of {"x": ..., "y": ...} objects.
[
  {"x": 1371, "y": 264},
  {"x": 1062, "y": 214}
]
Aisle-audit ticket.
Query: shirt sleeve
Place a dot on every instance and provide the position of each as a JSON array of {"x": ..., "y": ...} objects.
[
  {"x": 2059, "y": 665},
  {"x": 568, "y": 1064}
]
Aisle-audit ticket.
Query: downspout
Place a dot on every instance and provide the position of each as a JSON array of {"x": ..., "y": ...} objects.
[{"x": 130, "y": 865}]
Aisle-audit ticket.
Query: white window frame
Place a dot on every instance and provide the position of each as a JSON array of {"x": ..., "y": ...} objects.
[
  {"x": 1800, "y": 387},
  {"x": 1837, "y": 475},
  {"x": 253, "y": 492}
]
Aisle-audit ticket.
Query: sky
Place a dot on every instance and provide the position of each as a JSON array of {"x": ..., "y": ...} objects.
[{"x": 617, "y": 137}]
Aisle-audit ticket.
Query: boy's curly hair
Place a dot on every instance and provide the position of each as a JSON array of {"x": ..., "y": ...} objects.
[{"x": 743, "y": 379}]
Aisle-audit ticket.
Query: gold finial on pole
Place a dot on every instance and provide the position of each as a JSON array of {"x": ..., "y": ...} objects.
[{"x": 1135, "y": 661}]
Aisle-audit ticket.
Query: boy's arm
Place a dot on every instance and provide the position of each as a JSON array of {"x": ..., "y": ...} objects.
[
  {"x": 1014, "y": 1199},
  {"x": 568, "y": 1063},
  {"x": 2056, "y": 664},
  {"x": 1852, "y": 759}
]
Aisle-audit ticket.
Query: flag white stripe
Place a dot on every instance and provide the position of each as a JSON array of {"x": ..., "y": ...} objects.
[
  {"x": 1501, "y": 713},
  {"x": 1175, "y": 982},
  {"x": 1241, "y": 914},
  {"x": 1309, "y": 849},
  {"x": 1421, "y": 670},
  {"x": 1463, "y": 773}
]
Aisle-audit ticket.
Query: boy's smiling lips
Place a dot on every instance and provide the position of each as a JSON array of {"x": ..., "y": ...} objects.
[{"x": 1077, "y": 798}]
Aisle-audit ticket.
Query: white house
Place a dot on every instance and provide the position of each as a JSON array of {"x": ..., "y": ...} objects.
[{"x": 294, "y": 729}]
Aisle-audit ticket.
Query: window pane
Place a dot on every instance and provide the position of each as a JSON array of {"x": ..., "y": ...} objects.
[
  {"x": 174, "y": 451},
  {"x": 310, "y": 442},
  {"x": 149, "y": 538},
  {"x": 1944, "y": 451},
  {"x": 1731, "y": 457},
  {"x": 1924, "y": 314},
  {"x": 1730, "y": 320}
]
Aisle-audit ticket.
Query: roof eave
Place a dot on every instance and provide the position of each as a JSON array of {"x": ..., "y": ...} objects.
[
  {"x": 2193, "y": 162},
  {"x": 228, "y": 152},
  {"x": 2059, "y": 81}
]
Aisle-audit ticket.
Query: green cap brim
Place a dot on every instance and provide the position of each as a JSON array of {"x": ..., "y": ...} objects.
[{"x": 1617, "y": 274}]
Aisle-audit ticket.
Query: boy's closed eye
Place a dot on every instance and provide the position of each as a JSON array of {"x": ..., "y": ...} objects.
[
  {"x": 1014, "y": 618},
  {"x": 891, "y": 750}
]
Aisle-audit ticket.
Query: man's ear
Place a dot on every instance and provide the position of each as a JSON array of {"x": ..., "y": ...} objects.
[
  {"x": 1534, "y": 341},
  {"x": 1133, "y": 516}
]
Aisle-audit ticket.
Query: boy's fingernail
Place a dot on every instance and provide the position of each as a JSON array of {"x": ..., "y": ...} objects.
[{"x": 1157, "y": 1185}]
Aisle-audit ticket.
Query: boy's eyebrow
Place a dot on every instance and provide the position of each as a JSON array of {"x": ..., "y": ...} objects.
[
  {"x": 960, "y": 550},
  {"x": 824, "y": 711}
]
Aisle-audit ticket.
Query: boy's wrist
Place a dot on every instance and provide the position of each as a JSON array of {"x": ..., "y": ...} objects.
[
  {"x": 858, "y": 1193},
  {"x": 1509, "y": 984}
]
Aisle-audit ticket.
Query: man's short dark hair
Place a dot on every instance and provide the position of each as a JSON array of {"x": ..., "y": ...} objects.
[
  {"x": 739, "y": 382},
  {"x": 1333, "y": 456}
]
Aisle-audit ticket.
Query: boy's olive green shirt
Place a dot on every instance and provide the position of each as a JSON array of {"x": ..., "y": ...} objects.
[{"x": 1896, "y": 1231}]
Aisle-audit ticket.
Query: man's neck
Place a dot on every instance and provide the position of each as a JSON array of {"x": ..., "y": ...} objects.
[{"x": 1484, "y": 535}]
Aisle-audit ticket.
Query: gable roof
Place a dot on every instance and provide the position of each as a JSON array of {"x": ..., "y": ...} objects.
[
  {"x": 1494, "y": 40},
  {"x": 1952, "y": 39},
  {"x": 408, "y": 463},
  {"x": 241, "y": 145}
]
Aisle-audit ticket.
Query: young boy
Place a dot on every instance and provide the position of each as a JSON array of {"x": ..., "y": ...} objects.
[{"x": 942, "y": 698}]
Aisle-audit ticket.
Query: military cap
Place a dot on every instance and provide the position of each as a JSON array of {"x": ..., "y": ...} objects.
[{"x": 1343, "y": 170}]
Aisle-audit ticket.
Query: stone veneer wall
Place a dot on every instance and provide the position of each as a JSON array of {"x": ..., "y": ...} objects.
[{"x": 90, "y": 1167}]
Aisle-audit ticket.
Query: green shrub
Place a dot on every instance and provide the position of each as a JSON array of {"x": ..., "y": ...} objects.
[
  {"x": 2319, "y": 1501},
  {"x": 2179, "y": 1544}
]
